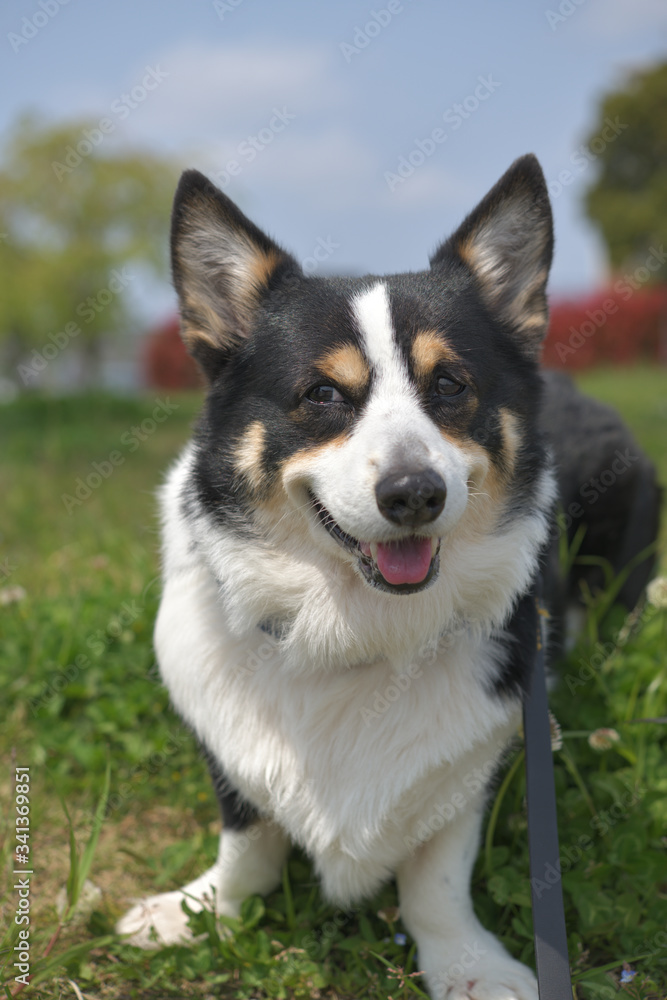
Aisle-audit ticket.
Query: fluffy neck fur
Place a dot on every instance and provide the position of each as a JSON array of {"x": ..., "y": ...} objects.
[{"x": 334, "y": 619}]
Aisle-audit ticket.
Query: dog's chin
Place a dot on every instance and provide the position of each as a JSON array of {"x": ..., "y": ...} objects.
[{"x": 366, "y": 554}]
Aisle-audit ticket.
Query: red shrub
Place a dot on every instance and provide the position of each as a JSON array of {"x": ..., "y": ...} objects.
[
  {"x": 167, "y": 364},
  {"x": 615, "y": 326}
]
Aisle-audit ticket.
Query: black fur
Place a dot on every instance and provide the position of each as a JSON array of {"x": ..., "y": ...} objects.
[
  {"x": 237, "y": 813},
  {"x": 606, "y": 484},
  {"x": 260, "y": 354},
  {"x": 522, "y": 628}
]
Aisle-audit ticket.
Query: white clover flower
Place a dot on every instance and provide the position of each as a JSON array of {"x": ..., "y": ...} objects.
[
  {"x": 656, "y": 592},
  {"x": 12, "y": 595},
  {"x": 603, "y": 739},
  {"x": 555, "y": 732}
]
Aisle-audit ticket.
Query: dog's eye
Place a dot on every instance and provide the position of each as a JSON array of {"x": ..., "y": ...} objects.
[
  {"x": 325, "y": 394},
  {"x": 446, "y": 386}
]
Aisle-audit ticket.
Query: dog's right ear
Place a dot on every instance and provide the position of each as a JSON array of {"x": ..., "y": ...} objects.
[
  {"x": 507, "y": 244},
  {"x": 222, "y": 265}
]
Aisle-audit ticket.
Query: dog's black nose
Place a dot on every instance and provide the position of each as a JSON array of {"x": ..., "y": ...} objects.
[{"x": 411, "y": 498}]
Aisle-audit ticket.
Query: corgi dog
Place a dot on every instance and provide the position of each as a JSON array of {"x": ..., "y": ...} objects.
[{"x": 349, "y": 546}]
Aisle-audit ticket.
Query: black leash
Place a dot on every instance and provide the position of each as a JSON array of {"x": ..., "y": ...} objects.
[{"x": 553, "y": 964}]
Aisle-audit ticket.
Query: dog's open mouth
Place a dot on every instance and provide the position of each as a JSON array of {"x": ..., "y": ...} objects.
[{"x": 398, "y": 567}]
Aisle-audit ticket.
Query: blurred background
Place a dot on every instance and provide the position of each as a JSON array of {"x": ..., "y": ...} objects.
[{"x": 318, "y": 119}]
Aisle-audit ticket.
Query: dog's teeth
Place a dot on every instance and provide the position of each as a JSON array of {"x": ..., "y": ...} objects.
[
  {"x": 374, "y": 551},
  {"x": 365, "y": 548},
  {"x": 434, "y": 546}
]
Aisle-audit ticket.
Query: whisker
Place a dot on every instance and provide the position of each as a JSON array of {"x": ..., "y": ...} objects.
[{"x": 289, "y": 513}]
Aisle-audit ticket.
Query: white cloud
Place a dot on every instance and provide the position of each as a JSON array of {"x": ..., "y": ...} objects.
[
  {"x": 330, "y": 164},
  {"x": 222, "y": 92},
  {"x": 619, "y": 19},
  {"x": 430, "y": 186}
]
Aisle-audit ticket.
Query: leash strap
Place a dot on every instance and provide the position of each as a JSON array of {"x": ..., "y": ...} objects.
[{"x": 553, "y": 965}]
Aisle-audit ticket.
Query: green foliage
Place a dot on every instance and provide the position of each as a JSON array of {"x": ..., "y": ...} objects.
[
  {"x": 612, "y": 813},
  {"x": 628, "y": 199},
  {"x": 63, "y": 234},
  {"x": 79, "y": 570}
]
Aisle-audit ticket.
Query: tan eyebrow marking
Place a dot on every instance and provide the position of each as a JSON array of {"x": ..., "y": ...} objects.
[
  {"x": 430, "y": 349},
  {"x": 248, "y": 453},
  {"x": 347, "y": 366}
]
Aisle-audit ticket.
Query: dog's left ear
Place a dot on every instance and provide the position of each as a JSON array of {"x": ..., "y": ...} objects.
[
  {"x": 222, "y": 266},
  {"x": 507, "y": 244}
]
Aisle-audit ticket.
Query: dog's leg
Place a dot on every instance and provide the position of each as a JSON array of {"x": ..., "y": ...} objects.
[
  {"x": 249, "y": 861},
  {"x": 461, "y": 960}
]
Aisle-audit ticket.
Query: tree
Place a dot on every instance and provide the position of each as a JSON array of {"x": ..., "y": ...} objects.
[
  {"x": 77, "y": 227},
  {"x": 628, "y": 199}
]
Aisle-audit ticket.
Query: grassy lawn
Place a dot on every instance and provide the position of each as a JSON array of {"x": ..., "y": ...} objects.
[{"x": 80, "y": 692}]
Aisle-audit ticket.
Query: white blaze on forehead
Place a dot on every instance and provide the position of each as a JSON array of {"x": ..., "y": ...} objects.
[
  {"x": 393, "y": 432},
  {"x": 373, "y": 315}
]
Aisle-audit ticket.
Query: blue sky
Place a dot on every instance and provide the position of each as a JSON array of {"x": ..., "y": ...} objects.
[{"x": 316, "y": 103}]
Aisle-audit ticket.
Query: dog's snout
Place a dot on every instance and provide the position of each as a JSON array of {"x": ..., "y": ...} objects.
[{"x": 411, "y": 498}]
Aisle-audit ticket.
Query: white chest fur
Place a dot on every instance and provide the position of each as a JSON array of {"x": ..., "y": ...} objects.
[{"x": 355, "y": 765}]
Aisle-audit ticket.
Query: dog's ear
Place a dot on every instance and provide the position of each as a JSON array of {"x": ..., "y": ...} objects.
[
  {"x": 507, "y": 244},
  {"x": 222, "y": 265}
]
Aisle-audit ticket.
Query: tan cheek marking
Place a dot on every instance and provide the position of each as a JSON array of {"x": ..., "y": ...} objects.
[
  {"x": 277, "y": 510},
  {"x": 486, "y": 490},
  {"x": 346, "y": 366},
  {"x": 299, "y": 463},
  {"x": 248, "y": 454}
]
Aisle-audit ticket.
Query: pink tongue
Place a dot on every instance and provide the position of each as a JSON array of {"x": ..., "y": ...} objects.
[{"x": 407, "y": 561}]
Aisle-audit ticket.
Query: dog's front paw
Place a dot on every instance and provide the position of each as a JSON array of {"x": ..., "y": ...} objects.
[
  {"x": 160, "y": 920},
  {"x": 492, "y": 977},
  {"x": 157, "y": 921}
]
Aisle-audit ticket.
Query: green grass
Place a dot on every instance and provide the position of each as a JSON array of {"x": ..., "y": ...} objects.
[{"x": 80, "y": 690}]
